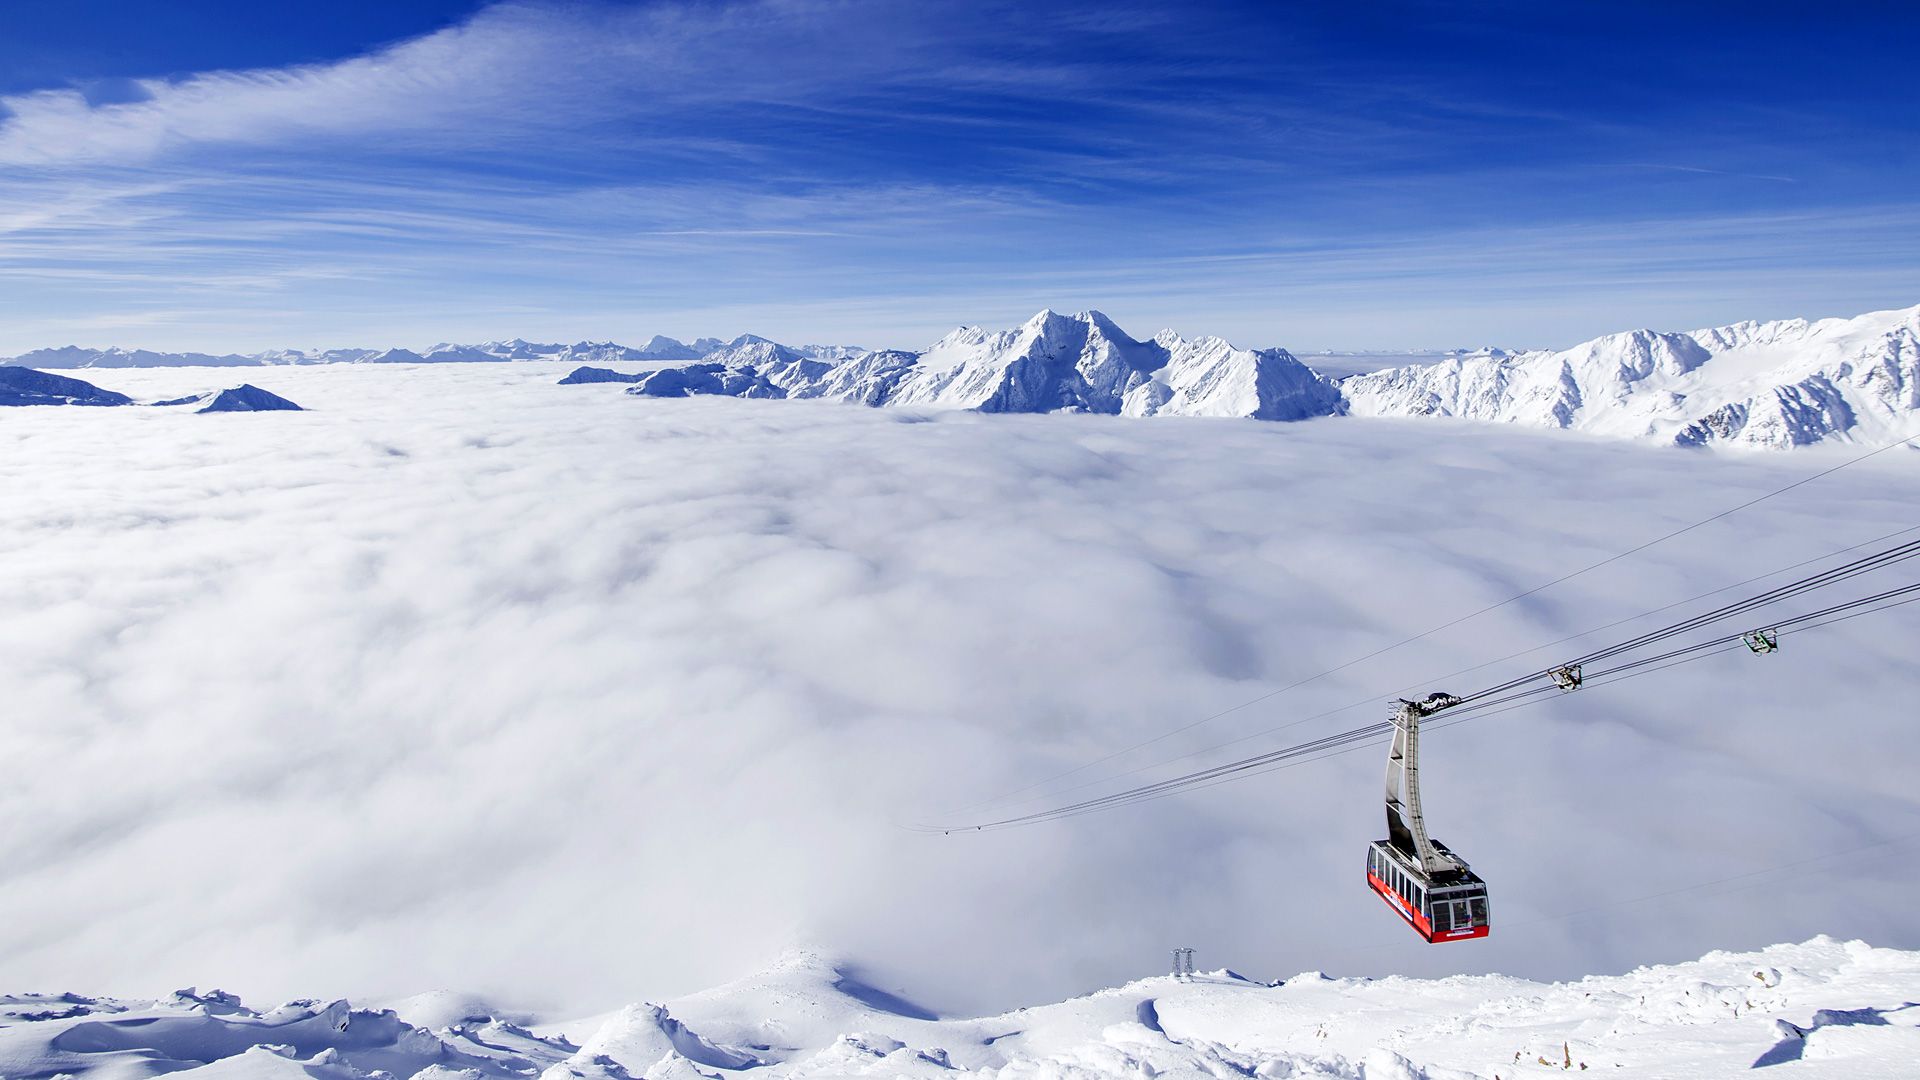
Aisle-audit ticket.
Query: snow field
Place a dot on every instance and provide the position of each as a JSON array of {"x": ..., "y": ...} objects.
[{"x": 1818, "y": 1009}]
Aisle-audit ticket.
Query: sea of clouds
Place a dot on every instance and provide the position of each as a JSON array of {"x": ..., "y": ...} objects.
[{"x": 466, "y": 679}]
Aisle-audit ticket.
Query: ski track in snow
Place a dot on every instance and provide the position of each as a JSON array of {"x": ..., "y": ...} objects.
[
  {"x": 1820, "y": 1009},
  {"x": 462, "y": 678}
]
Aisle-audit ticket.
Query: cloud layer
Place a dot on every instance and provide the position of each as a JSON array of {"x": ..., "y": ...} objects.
[{"x": 465, "y": 679}]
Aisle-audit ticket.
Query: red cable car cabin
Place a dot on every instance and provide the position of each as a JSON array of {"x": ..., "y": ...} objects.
[
  {"x": 1451, "y": 906},
  {"x": 1420, "y": 878}
]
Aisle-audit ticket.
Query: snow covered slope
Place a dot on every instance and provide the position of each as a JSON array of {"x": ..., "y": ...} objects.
[
  {"x": 1772, "y": 385},
  {"x": 1832, "y": 1009},
  {"x": 1050, "y": 363}
]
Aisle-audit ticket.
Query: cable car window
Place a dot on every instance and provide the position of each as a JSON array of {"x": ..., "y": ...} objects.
[{"x": 1480, "y": 911}]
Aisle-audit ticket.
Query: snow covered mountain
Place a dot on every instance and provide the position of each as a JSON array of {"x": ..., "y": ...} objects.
[
  {"x": 1766, "y": 385},
  {"x": 750, "y": 349},
  {"x": 1773, "y": 385},
  {"x": 25, "y": 386},
  {"x": 245, "y": 398},
  {"x": 1833, "y": 1009},
  {"x": 1052, "y": 362}
]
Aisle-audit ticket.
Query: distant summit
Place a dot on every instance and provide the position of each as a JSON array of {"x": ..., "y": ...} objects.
[
  {"x": 394, "y": 356},
  {"x": 1050, "y": 363},
  {"x": 246, "y": 398}
]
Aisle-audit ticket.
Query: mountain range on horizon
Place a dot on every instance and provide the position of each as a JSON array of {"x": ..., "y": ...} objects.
[
  {"x": 1775, "y": 384},
  {"x": 657, "y": 347},
  {"x": 72, "y": 357},
  {"x": 1769, "y": 385}
]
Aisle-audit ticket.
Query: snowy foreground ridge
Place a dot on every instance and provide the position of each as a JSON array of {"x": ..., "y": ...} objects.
[{"x": 1822, "y": 1008}]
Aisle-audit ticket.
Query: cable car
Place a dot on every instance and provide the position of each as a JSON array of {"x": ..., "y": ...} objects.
[{"x": 1420, "y": 878}]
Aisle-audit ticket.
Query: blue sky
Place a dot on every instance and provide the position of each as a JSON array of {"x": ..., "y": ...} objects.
[{"x": 224, "y": 175}]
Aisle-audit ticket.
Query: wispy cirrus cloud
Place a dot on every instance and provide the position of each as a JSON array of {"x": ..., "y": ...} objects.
[
  {"x": 522, "y": 69},
  {"x": 437, "y": 78},
  {"x": 631, "y": 169}
]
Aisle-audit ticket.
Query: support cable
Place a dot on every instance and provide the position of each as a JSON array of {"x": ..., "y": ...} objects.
[
  {"x": 1485, "y": 703},
  {"x": 1448, "y": 625},
  {"x": 1350, "y": 706}
]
